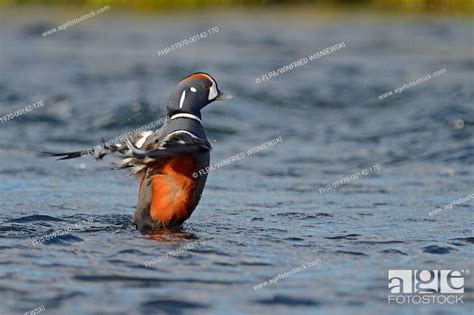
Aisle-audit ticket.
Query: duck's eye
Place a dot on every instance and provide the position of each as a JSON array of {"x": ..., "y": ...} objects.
[{"x": 193, "y": 89}]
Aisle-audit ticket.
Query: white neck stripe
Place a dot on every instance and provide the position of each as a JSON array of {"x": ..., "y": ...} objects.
[{"x": 186, "y": 115}]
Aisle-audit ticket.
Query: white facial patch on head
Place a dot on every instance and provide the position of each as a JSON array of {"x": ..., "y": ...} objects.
[
  {"x": 212, "y": 90},
  {"x": 193, "y": 89},
  {"x": 183, "y": 96}
]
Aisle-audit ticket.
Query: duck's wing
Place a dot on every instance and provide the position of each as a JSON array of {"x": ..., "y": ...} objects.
[
  {"x": 157, "y": 148},
  {"x": 176, "y": 143},
  {"x": 99, "y": 151}
]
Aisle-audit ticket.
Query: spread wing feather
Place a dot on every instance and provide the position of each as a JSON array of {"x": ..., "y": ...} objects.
[{"x": 100, "y": 151}]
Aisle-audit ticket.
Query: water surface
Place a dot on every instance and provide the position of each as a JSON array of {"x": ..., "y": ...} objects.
[{"x": 262, "y": 215}]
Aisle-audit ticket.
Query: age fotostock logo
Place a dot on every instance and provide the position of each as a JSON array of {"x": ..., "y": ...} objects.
[{"x": 426, "y": 286}]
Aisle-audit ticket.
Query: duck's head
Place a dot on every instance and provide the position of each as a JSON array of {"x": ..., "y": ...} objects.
[{"x": 193, "y": 93}]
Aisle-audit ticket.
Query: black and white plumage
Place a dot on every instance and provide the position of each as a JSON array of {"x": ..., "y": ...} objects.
[{"x": 166, "y": 161}]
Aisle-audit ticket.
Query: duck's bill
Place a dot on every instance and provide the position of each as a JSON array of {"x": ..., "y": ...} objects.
[{"x": 223, "y": 96}]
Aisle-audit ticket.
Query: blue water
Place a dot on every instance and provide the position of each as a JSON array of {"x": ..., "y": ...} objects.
[{"x": 264, "y": 214}]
